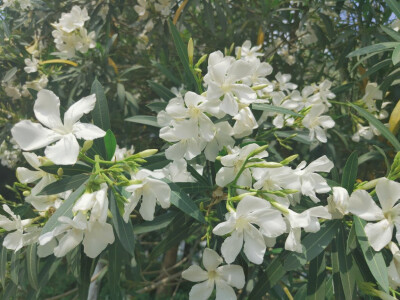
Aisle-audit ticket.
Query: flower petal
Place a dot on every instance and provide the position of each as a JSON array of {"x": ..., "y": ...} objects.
[
  {"x": 201, "y": 291},
  {"x": 78, "y": 109},
  {"x": 254, "y": 245},
  {"x": 231, "y": 246},
  {"x": 225, "y": 227},
  {"x": 14, "y": 241},
  {"x": 388, "y": 192},
  {"x": 195, "y": 274},
  {"x": 97, "y": 238},
  {"x": 68, "y": 242},
  {"x": 362, "y": 205},
  {"x": 31, "y": 136},
  {"x": 87, "y": 131},
  {"x": 25, "y": 175},
  {"x": 148, "y": 206},
  {"x": 211, "y": 259},
  {"x": 379, "y": 234},
  {"x": 224, "y": 291},
  {"x": 225, "y": 176},
  {"x": 233, "y": 275},
  {"x": 130, "y": 206},
  {"x": 65, "y": 151},
  {"x": 47, "y": 109}
]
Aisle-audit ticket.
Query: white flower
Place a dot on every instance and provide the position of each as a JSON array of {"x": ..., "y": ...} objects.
[
  {"x": 31, "y": 65},
  {"x": 232, "y": 164},
  {"x": 317, "y": 123},
  {"x": 17, "y": 239},
  {"x": 32, "y": 136},
  {"x": 275, "y": 179},
  {"x": 73, "y": 20},
  {"x": 150, "y": 190},
  {"x": 96, "y": 202},
  {"x": 121, "y": 153},
  {"x": 394, "y": 267},
  {"x": 323, "y": 94},
  {"x": 365, "y": 132},
  {"x": 222, "y": 137},
  {"x": 247, "y": 52},
  {"x": 141, "y": 9},
  {"x": 250, "y": 210},
  {"x": 361, "y": 204},
  {"x": 245, "y": 123},
  {"x": 338, "y": 202},
  {"x": 372, "y": 93},
  {"x": 312, "y": 182},
  {"x": 163, "y": 6},
  {"x": 283, "y": 82},
  {"x": 224, "y": 277},
  {"x": 222, "y": 80},
  {"x": 176, "y": 171}
]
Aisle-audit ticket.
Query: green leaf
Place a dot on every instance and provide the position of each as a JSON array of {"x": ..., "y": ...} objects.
[
  {"x": 158, "y": 223},
  {"x": 157, "y": 161},
  {"x": 301, "y": 293},
  {"x": 48, "y": 270},
  {"x": 84, "y": 276},
  {"x": 65, "y": 184},
  {"x": 31, "y": 261},
  {"x": 350, "y": 172},
  {"x": 268, "y": 279},
  {"x": 3, "y": 266},
  {"x": 351, "y": 240},
  {"x": 10, "y": 73},
  {"x": 161, "y": 91},
  {"x": 14, "y": 267},
  {"x": 394, "y": 6},
  {"x": 375, "y": 68},
  {"x": 316, "y": 279},
  {"x": 64, "y": 210},
  {"x": 277, "y": 109},
  {"x": 313, "y": 244},
  {"x": 393, "y": 34},
  {"x": 197, "y": 175},
  {"x": 396, "y": 55},
  {"x": 345, "y": 265},
  {"x": 375, "y": 260},
  {"x": 77, "y": 168},
  {"x": 182, "y": 201},
  {"x": 110, "y": 143},
  {"x": 114, "y": 270},
  {"x": 373, "y": 48},
  {"x": 157, "y": 106},
  {"x": 167, "y": 73},
  {"x": 181, "y": 49},
  {"x": 123, "y": 230},
  {"x": 194, "y": 187},
  {"x": 146, "y": 120},
  {"x": 378, "y": 125},
  {"x": 337, "y": 281},
  {"x": 100, "y": 113}
]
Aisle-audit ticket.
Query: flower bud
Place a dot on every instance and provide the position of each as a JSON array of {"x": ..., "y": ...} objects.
[
  {"x": 87, "y": 145},
  {"x": 147, "y": 153},
  {"x": 289, "y": 159},
  {"x": 239, "y": 54},
  {"x": 201, "y": 60},
  {"x": 265, "y": 165},
  {"x": 241, "y": 196},
  {"x": 60, "y": 172},
  {"x": 259, "y": 87},
  {"x": 258, "y": 150},
  {"x": 190, "y": 51},
  {"x": 26, "y": 193},
  {"x": 369, "y": 185}
]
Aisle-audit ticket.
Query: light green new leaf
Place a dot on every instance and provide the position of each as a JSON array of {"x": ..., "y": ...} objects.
[
  {"x": 145, "y": 120},
  {"x": 375, "y": 260},
  {"x": 349, "y": 175},
  {"x": 31, "y": 261},
  {"x": 396, "y": 55},
  {"x": 65, "y": 184},
  {"x": 378, "y": 125}
]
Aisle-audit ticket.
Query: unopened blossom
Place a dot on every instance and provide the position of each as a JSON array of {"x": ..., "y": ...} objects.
[
  {"x": 311, "y": 182},
  {"x": 338, "y": 202},
  {"x": 362, "y": 205},
  {"x": 250, "y": 210},
  {"x": 150, "y": 190},
  {"x": 22, "y": 234},
  {"x": 223, "y": 277},
  {"x": 317, "y": 124},
  {"x": 31, "y": 65},
  {"x": 31, "y": 136},
  {"x": 233, "y": 162},
  {"x": 222, "y": 80}
]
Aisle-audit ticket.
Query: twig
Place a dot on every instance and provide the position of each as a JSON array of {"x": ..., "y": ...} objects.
[{"x": 157, "y": 284}]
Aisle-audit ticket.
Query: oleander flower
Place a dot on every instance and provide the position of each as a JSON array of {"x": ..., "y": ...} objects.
[{"x": 31, "y": 136}]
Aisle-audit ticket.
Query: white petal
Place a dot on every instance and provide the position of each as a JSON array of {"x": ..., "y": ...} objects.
[
  {"x": 130, "y": 206},
  {"x": 233, "y": 275},
  {"x": 362, "y": 205},
  {"x": 224, "y": 291},
  {"x": 78, "y": 109},
  {"x": 293, "y": 240},
  {"x": 84, "y": 203},
  {"x": 251, "y": 204},
  {"x": 68, "y": 242},
  {"x": 231, "y": 246},
  {"x": 195, "y": 274},
  {"x": 47, "y": 249},
  {"x": 14, "y": 241},
  {"x": 201, "y": 291},
  {"x": 225, "y": 176},
  {"x": 87, "y": 131},
  {"x": 161, "y": 191},
  {"x": 64, "y": 152},
  {"x": 47, "y": 109},
  {"x": 31, "y": 136},
  {"x": 271, "y": 223},
  {"x": 25, "y": 175},
  {"x": 32, "y": 159},
  {"x": 388, "y": 192},
  {"x": 254, "y": 246},
  {"x": 211, "y": 259},
  {"x": 229, "y": 105},
  {"x": 225, "y": 227},
  {"x": 379, "y": 234},
  {"x": 148, "y": 206},
  {"x": 97, "y": 238}
]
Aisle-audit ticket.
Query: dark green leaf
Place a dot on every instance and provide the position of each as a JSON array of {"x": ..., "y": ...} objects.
[
  {"x": 182, "y": 201},
  {"x": 350, "y": 172},
  {"x": 48, "y": 270},
  {"x": 375, "y": 260},
  {"x": 31, "y": 260},
  {"x": 161, "y": 91},
  {"x": 64, "y": 210},
  {"x": 277, "y": 109},
  {"x": 378, "y": 124},
  {"x": 3, "y": 266},
  {"x": 393, "y": 34},
  {"x": 114, "y": 270},
  {"x": 313, "y": 244},
  {"x": 316, "y": 279},
  {"x": 77, "y": 168},
  {"x": 194, "y": 187},
  {"x": 146, "y": 120},
  {"x": 396, "y": 55},
  {"x": 14, "y": 267},
  {"x": 123, "y": 230},
  {"x": 157, "y": 106},
  {"x": 394, "y": 6},
  {"x": 196, "y": 175},
  {"x": 155, "y": 162},
  {"x": 337, "y": 281},
  {"x": 84, "y": 276},
  {"x": 158, "y": 223},
  {"x": 110, "y": 143},
  {"x": 351, "y": 240},
  {"x": 65, "y": 184},
  {"x": 373, "y": 48},
  {"x": 100, "y": 113},
  {"x": 345, "y": 265}
]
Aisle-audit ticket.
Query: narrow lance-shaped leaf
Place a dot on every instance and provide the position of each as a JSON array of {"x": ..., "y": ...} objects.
[
  {"x": 3, "y": 266},
  {"x": 31, "y": 261},
  {"x": 110, "y": 143},
  {"x": 145, "y": 120},
  {"x": 100, "y": 113},
  {"x": 65, "y": 184},
  {"x": 337, "y": 281},
  {"x": 345, "y": 265},
  {"x": 395, "y": 7},
  {"x": 161, "y": 91},
  {"x": 373, "y": 48},
  {"x": 316, "y": 280},
  {"x": 114, "y": 269},
  {"x": 349, "y": 175}
]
